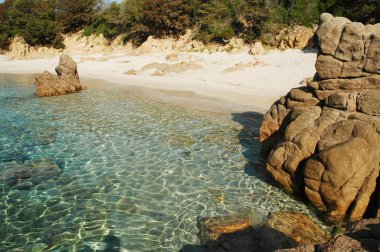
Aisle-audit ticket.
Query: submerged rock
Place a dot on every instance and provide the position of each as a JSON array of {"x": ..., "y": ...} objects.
[
  {"x": 281, "y": 230},
  {"x": 298, "y": 227},
  {"x": 24, "y": 176},
  {"x": 323, "y": 139},
  {"x": 211, "y": 229},
  {"x": 66, "y": 82},
  {"x": 360, "y": 236}
]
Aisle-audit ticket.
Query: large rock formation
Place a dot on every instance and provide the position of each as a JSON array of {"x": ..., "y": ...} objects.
[
  {"x": 323, "y": 139},
  {"x": 67, "y": 81},
  {"x": 19, "y": 49}
]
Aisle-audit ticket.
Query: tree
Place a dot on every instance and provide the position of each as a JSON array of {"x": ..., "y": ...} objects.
[
  {"x": 108, "y": 22},
  {"x": 304, "y": 12},
  {"x": 157, "y": 18},
  {"x": 5, "y": 31},
  {"x": 35, "y": 21},
  {"x": 74, "y": 15},
  {"x": 220, "y": 20},
  {"x": 216, "y": 19},
  {"x": 254, "y": 18},
  {"x": 366, "y": 11}
]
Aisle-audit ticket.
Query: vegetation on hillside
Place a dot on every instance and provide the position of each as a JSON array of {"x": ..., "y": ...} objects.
[{"x": 43, "y": 22}]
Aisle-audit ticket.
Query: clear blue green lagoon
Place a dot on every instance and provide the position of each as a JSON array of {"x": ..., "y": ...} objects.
[{"x": 86, "y": 171}]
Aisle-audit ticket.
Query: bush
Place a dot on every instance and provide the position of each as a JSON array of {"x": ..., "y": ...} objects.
[
  {"x": 157, "y": 18},
  {"x": 215, "y": 22},
  {"x": 74, "y": 15},
  {"x": 5, "y": 31},
  {"x": 220, "y": 20},
  {"x": 35, "y": 21},
  {"x": 303, "y": 12},
  {"x": 365, "y": 11}
]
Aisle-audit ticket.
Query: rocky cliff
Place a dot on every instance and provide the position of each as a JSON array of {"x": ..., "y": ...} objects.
[{"x": 323, "y": 139}]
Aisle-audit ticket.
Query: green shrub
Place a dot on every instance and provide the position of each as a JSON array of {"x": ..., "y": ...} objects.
[
  {"x": 157, "y": 18},
  {"x": 35, "y": 21},
  {"x": 74, "y": 15}
]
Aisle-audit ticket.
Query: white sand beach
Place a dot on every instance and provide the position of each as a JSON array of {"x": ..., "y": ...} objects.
[{"x": 236, "y": 78}]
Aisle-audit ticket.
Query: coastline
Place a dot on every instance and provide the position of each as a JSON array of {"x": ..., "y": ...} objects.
[{"x": 203, "y": 81}]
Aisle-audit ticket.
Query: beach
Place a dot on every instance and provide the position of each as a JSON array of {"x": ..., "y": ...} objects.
[{"x": 234, "y": 79}]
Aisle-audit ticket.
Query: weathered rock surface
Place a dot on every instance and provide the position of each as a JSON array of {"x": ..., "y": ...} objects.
[
  {"x": 280, "y": 230},
  {"x": 210, "y": 229},
  {"x": 360, "y": 236},
  {"x": 19, "y": 49},
  {"x": 323, "y": 139},
  {"x": 298, "y": 227},
  {"x": 295, "y": 37},
  {"x": 66, "y": 82}
]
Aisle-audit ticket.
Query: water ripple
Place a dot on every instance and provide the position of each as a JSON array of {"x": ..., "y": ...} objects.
[{"x": 123, "y": 172}]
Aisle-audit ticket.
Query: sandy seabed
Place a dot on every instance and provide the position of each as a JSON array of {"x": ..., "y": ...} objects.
[{"x": 193, "y": 79}]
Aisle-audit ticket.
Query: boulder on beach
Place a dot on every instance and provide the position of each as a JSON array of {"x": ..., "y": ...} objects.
[
  {"x": 295, "y": 37},
  {"x": 66, "y": 81},
  {"x": 322, "y": 140}
]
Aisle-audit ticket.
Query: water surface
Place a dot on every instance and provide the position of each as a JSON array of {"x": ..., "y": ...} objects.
[{"x": 107, "y": 169}]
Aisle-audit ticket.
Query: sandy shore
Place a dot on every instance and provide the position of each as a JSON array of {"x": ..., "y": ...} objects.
[{"x": 254, "y": 82}]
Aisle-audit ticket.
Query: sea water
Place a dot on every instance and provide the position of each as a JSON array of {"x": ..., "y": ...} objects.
[{"x": 107, "y": 170}]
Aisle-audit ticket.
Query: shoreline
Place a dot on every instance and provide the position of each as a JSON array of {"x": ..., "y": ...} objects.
[{"x": 202, "y": 81}]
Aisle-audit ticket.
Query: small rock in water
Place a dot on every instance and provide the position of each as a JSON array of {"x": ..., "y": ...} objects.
[
  {"x": 211, "y": 229},
  {"x": 217, "y": 195},
  {"x": 66, "y": 82}
]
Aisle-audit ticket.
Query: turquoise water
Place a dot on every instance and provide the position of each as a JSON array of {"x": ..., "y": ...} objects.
[{"x": 88, "y": 171}]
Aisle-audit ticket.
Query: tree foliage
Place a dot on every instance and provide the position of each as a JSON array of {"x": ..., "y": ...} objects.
[
  {"x": 156, "y": 18},
  {"x": 5, "y": 31},
  {"x": 42, "y": 22},
  {"x": 366, "y": 11},
  {"x": 73, "y": 15},
  {"x": 34, "y": 20}
]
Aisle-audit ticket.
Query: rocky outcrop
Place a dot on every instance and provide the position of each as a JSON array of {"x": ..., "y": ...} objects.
[
  {"x": 76, "y": 43},
  {"x": 360, "y": 236},
  {"x": 295, "y": 37},
  {"x": 67, "y": 81},
  {"x": 323, "y": 139},
  {"x": 19, "y": 49}
]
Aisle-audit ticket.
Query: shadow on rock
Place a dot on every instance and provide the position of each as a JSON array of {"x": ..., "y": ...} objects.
[{"x": 261, "y": 239}]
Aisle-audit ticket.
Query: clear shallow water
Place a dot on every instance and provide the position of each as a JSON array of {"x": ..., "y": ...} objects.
[{"x": 114, "y": 169}]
